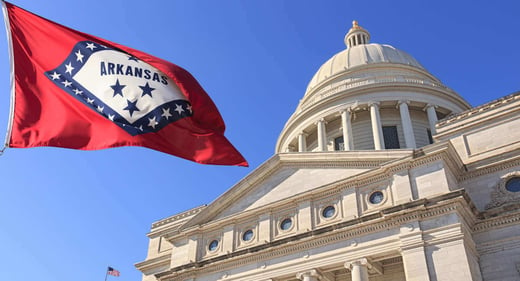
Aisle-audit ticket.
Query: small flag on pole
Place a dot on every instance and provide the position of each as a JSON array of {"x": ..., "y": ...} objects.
[{"x": 113, "y": 272}]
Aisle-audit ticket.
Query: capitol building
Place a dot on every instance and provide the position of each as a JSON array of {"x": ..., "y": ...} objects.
[{"x": 382, "y": 173}]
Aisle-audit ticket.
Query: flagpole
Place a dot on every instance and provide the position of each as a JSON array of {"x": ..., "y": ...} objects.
[
  {"x": 106, "y": 274},
  {"x": 11, "y": 61}
]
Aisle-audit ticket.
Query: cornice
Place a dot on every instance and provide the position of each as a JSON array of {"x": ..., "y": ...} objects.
[
  {"x": 370, "y": 84},
  {"x": 178, "y": 216},
  {"x": 504, "y": 220},
  {"x": 389, "y": 218},
  {"x": 172, "y": 223},
  {"x": 237, "y": 190},
  {"x": 453, "y": 124},
  {"x": 492, "y": 168},
  {"x": 154, "y": 263},
  {"x": 371, "y": 71},
  {"x": 479, "y": 109}
]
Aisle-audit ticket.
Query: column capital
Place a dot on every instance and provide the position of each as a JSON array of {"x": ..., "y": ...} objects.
[
  {"x": 310, "y": 273},
  {"x": 358, "y": 262},
  {"x": 428, "y": 105},
  {"x": 302, "y": 133},
  {"x": 346, "y": 109},
  {"x": 399, "y": 102},
  {"x": 321, "y": 120},
  {"x": 373, "y": 103}
]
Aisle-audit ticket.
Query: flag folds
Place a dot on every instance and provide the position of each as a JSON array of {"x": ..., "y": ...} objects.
[
  {"x": 78, "y": 91},
  {"x": 113, "y": 272}
]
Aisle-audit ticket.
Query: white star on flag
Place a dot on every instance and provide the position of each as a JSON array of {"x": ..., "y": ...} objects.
[
  {"x": 179, "y": 108},
  {"x": 91, "y": 46},
  {"x": 66, "y": 83},
  {"x": 69, "y": 68},
  {"x": 166, "y": 113},
  {"x": 153, "y": 122},
  {"x": 55, "y": 75},
  {"x": 79, "y": 56}
]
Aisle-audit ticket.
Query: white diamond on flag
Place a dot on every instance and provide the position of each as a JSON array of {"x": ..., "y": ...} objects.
[{"x": 122, "y": 88}]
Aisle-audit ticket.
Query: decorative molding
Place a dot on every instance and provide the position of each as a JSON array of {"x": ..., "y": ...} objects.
[
  {"x": 500, "y": 195},
  {"x": 493, "y": 168},
  {"x": 344, "y": 231},
  {"x": 153, "y": 263},
  {"x": 178, "y": 216},
  {"x": 380, "y": 80},
  {"x": 478, "y": 110},
  {"x": 497, "y": 222}
]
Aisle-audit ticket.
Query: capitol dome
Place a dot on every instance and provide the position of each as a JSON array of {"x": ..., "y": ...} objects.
[
  {"x": 361, "y": 55},
  {"x": 368, "y": 97}
]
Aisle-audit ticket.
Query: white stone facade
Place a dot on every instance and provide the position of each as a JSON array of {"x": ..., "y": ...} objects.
[{"x": 442, "y": 211}]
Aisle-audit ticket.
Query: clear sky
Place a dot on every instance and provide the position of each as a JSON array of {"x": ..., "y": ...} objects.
[{"x": 67, "y": 215}]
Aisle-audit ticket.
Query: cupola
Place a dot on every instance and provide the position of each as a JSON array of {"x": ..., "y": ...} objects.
[{"x": 356, "y": 36}]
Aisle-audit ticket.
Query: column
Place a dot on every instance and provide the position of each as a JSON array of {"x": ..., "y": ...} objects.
[
  {"x": 377, "y": 130},
  {"x": 406, "y": 122},
  {"x": 346, "y": 124},
  {"x": 358, "y": 269},
  {"x": 322, "y": 135},
  {"x": 311, "y": 275},
  {"x": 432, "y": 117},
  {"x": 302, "y": 142}
]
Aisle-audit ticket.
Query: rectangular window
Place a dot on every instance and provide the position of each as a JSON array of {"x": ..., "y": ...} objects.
[
  {"x": 339, "y": 144},
  {"x": 390, "y": 136}
]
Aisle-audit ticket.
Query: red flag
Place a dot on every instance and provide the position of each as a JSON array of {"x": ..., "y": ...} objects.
[{"x": 78, "y": 91}]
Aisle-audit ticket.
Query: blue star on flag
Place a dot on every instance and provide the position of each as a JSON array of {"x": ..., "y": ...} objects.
[
  {"x": 147, "y": 90},
  {"x": 118, "y": 89},
  {"x": 131, "y": 107}
]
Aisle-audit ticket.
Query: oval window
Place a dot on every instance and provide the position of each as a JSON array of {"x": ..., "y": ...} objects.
[
  {"x": 248, "y": 235},
  {"x": 376, "y": 197},
  {"x": 213, "y": 245},
  {"x": 286, "y": 224},
  {"x": 328, "y": 212},
  {"x": 513, "y": 184}
]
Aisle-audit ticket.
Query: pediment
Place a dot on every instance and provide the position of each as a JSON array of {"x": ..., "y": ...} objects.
[
  {"x": 290, "y": 175},
  {"x": 287, "y": 182}
]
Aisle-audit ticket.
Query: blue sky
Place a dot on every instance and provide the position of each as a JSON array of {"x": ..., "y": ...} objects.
[{"x": 67, "y": 215}]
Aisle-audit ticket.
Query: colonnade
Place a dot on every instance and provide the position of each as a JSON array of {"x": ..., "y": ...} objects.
[{"x": 377, "y": 129}]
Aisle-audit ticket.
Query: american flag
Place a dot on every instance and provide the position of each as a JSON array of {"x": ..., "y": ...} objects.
[{"x": 113, "y": 272}]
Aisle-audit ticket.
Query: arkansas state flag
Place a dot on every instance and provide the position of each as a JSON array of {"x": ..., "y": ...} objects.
[{"x": 78, "y": 91}]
